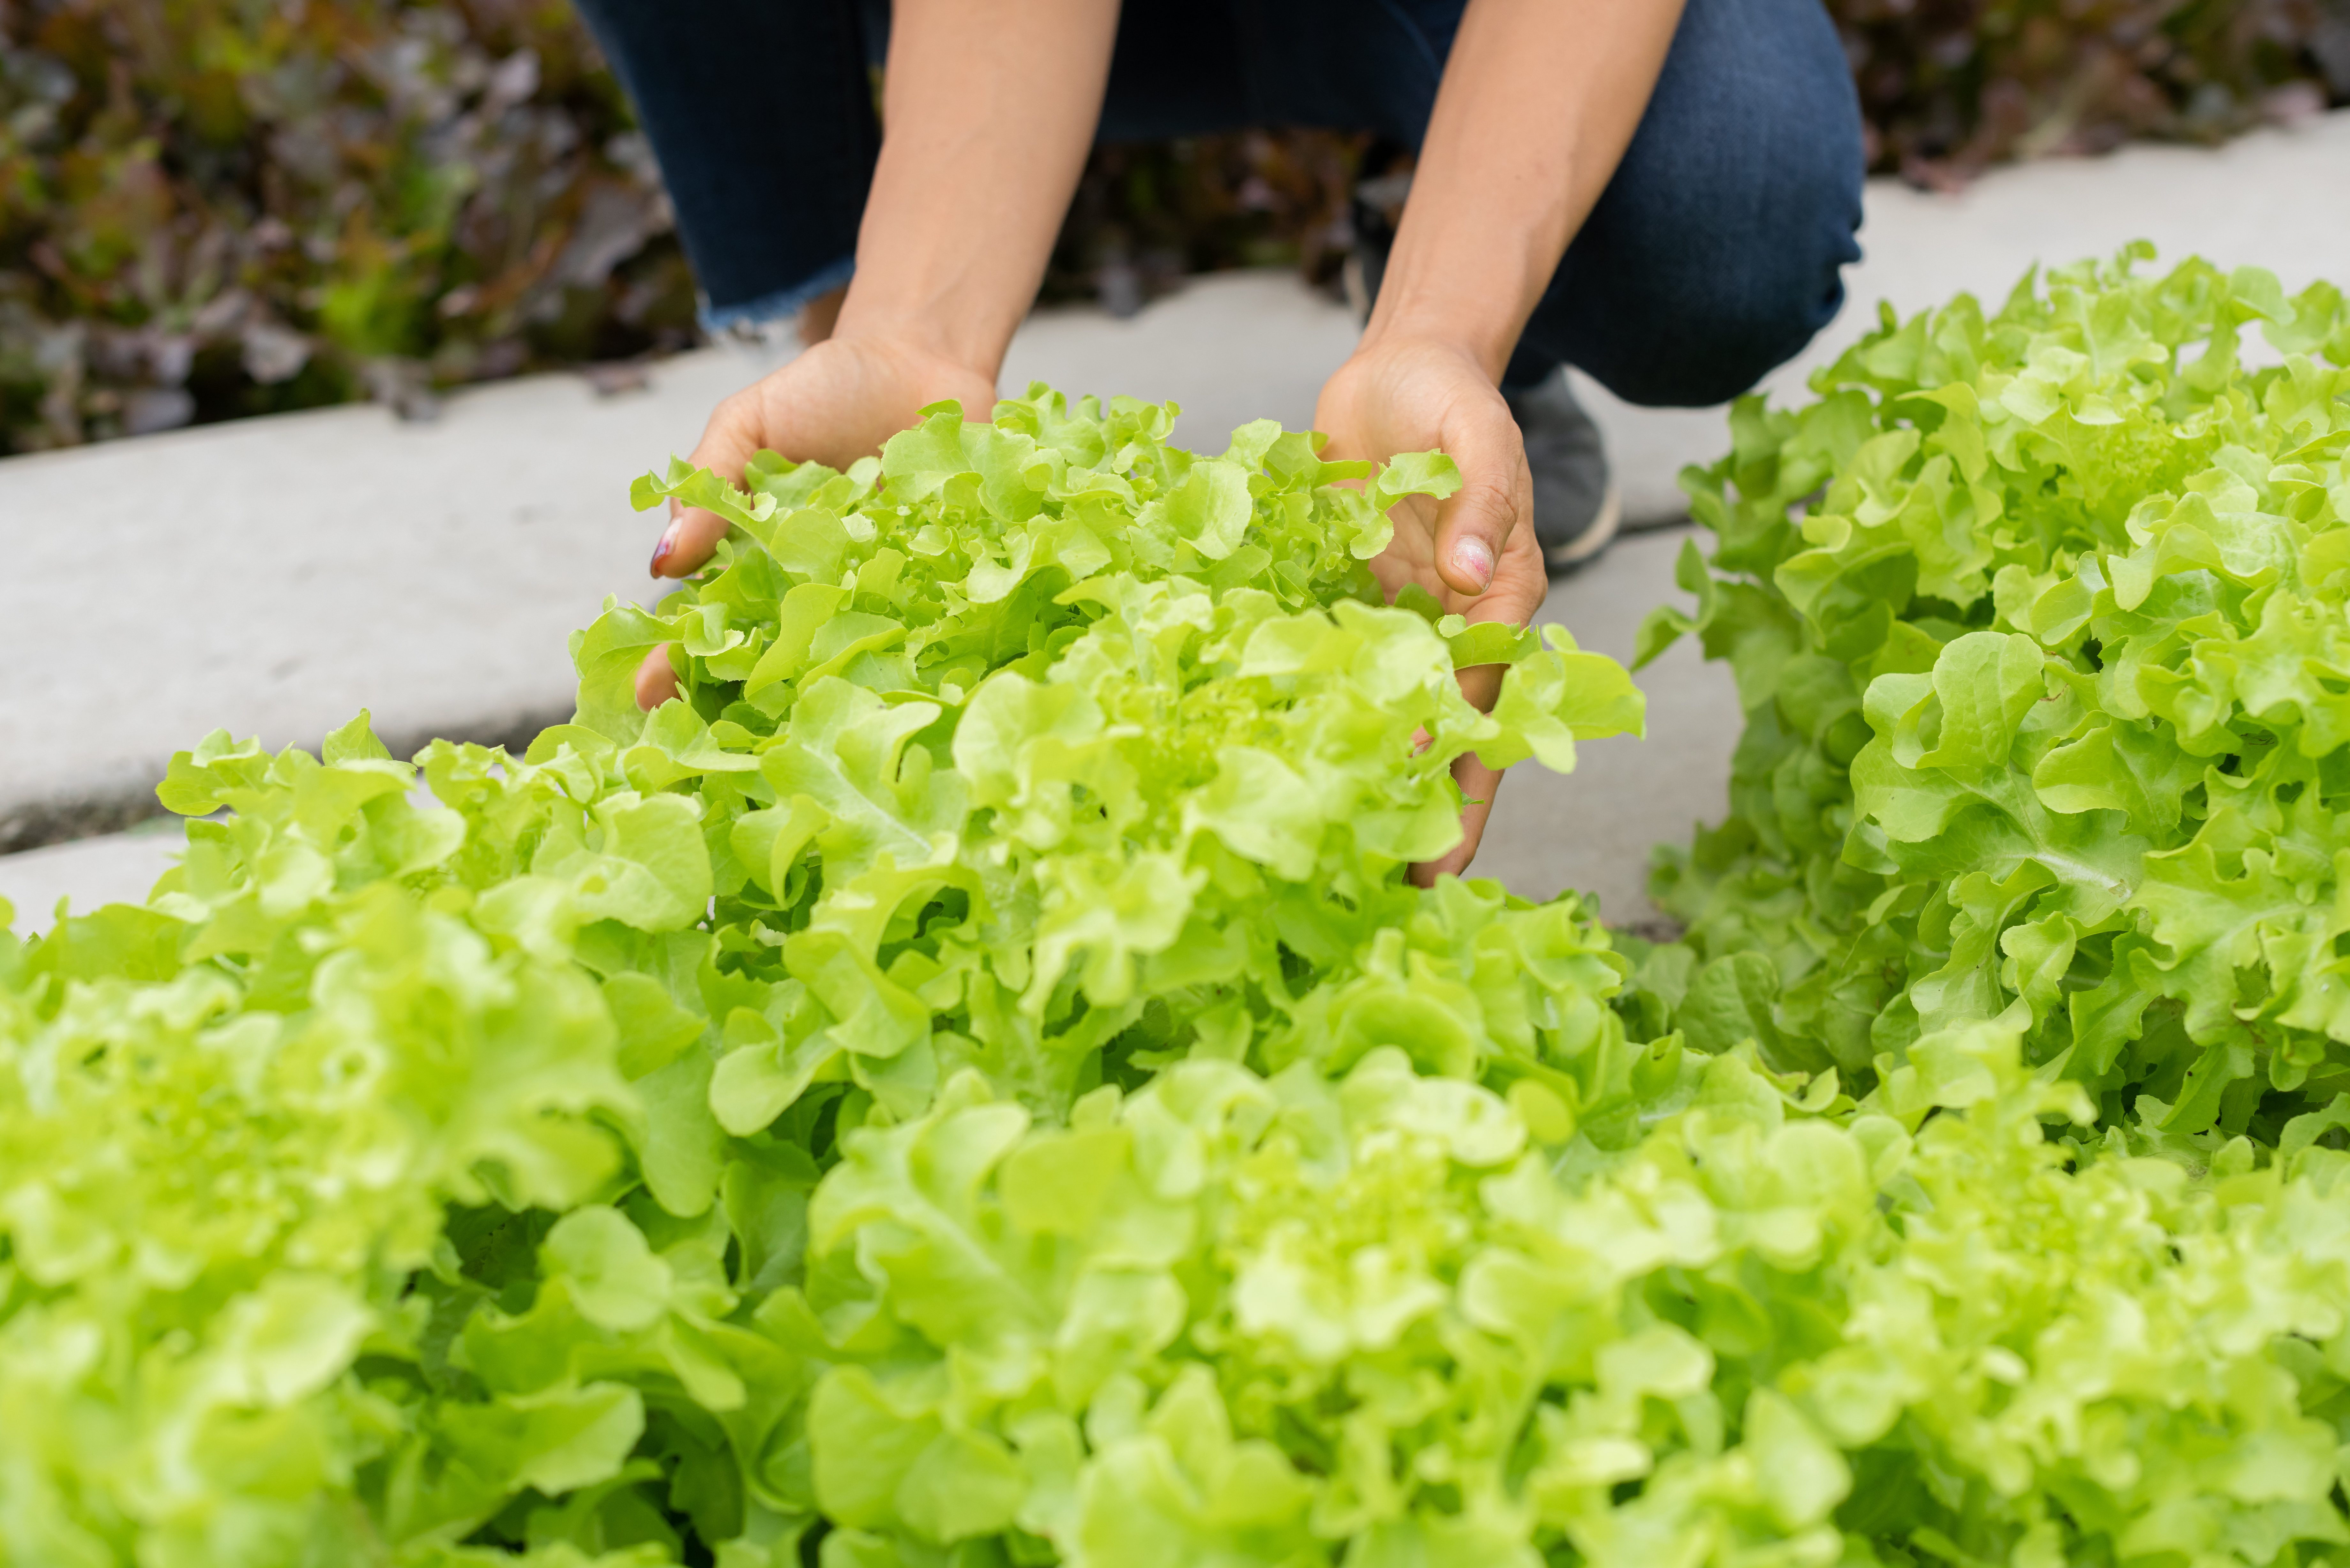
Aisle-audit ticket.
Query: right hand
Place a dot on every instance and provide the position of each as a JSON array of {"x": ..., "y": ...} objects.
[
  {"x": 1475, "y": 552},
  {"x": 835, "y": 403}
]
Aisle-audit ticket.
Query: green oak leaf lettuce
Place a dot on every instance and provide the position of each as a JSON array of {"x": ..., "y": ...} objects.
[
  {"x": 970, "y": 1083},
  {"x": 1228, "y": 1318},
  {"x": 1044, "y": 747},
  {"x": 2038, "y": 621},
  {"x": 423, "y": 1174}
]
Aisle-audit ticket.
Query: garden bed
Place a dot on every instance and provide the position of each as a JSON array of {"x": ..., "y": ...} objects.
[{"x": 972, "y": 1083}]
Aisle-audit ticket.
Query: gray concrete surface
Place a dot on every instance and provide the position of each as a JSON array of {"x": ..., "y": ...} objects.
[
  {"x": 111, "y": 868},
  {"x": 1228, "y": 347},
  {"x": 275, "y": 574}
]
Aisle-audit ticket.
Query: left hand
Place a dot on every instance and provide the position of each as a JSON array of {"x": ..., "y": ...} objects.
[{"x": 1476, "y": 551}]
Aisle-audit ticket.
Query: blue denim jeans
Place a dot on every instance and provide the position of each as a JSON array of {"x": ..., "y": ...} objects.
[{"x": 1712, "y": 256}]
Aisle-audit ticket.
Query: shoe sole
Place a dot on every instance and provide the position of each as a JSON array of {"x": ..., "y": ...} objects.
[{"x": 1585, "y": 547}]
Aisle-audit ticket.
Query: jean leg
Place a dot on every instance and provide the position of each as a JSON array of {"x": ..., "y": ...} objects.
[
  {"x": 760, "y": 113},
  {"x": 1197, "y": 67},
  {"x": 1714, "y": 253},
  {"x": 1177, "y": 70}
]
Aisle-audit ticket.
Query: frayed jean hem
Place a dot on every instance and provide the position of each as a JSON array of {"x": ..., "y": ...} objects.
[{"x": 783, "y": 305}]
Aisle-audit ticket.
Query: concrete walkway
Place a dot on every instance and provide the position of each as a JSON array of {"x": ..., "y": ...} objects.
[{"x": 273, "y": 575}]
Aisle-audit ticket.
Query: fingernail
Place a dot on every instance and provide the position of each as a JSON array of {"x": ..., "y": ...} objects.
[
  {"x": 661, "y": 550},
  {"x": 1474, "y": 561}
]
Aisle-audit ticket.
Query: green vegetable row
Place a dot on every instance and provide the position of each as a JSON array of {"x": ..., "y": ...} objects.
[
  {"x": 970, "y": 1084},
  {"x": 2046, "y": 698}
]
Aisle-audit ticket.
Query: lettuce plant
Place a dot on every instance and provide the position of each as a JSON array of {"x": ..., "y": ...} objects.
[
  {"x": 415, "y": 1177},
  {"x": 1041, "y": 747},
  {"x": 253, "y": 1133},
  {"x": 969, "y": 1085},
  {"x": 2044, "y": 695}
]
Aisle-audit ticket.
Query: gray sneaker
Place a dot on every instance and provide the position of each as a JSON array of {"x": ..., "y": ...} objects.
[{"x": 1576, "y": 508}]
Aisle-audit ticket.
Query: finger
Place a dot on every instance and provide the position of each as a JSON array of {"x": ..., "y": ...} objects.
[
  {"x": 1475, "y": 525},
  {"x": 656, "y": 679},
  {"x": 727, "y": 443},
  {"x": 688, "y": 541},
  {"x": 1481, "y": 684},
  {"x": 1520, "y": 583},
  {"x": 1478, "y": 784}
]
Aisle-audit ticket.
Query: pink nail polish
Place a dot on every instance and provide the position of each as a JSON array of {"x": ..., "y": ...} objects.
[
  {"x": 1474, "y": 561},
  {"x": 661, "y": 550}
]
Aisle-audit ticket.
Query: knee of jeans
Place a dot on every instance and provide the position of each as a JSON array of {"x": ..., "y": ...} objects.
[
  {"x": 1694, "y": 335},
  {"x": 1705, "y": 289},
  {"x": 1722, "y": 239},
  {"x": 1724, "y": 347}
]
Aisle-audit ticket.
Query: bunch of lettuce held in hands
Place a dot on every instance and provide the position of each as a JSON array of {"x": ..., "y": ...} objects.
[
  {"x": 2048, "y": 695},
  {"x": 1038, "y": 753},
  {"x": 970, "y": 1084},
  {"x": 1038, "y": 740}
]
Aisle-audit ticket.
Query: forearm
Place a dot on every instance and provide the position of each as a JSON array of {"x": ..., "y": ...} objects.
[
  {"x": 1539, "y": 101},
  {"x": 987, "y": 113}
]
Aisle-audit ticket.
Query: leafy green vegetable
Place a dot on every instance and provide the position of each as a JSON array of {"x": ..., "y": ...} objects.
[
  {"x": 2044, "y": 695},
  {"x": 1230, "y": 1319},
  {"x": 233, "y": 1125},
  {"x": 970, "y": 1084},
  {"x": 1044, "y": 748},
  {"x": 420, "y": 1177}
]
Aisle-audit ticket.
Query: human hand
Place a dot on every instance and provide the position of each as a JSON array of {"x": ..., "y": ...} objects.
[
  {"x": 1475, "y": 551},
  {"x": 835, "y": 403}
]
